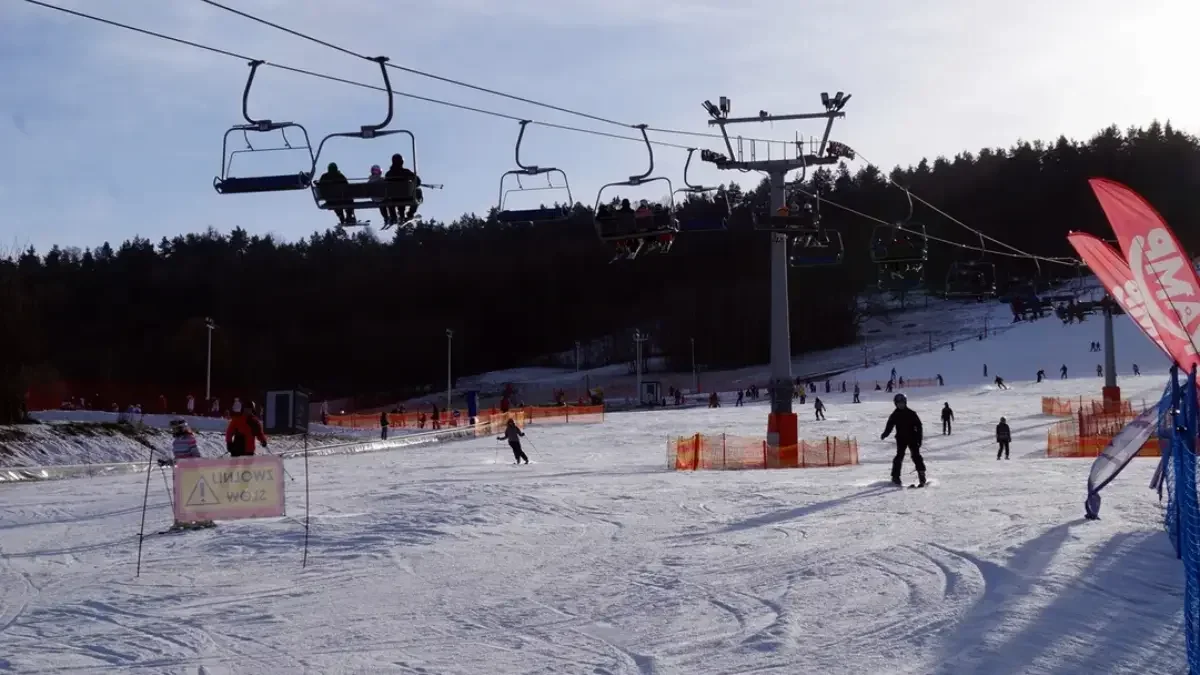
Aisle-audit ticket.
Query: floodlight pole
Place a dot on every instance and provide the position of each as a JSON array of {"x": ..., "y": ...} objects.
[
  {"x": 449, "y": 377},
  {"x": 638, "y": 338},
  {"x": 210, "y": 325},
  {"x": 782, "y": 428}
]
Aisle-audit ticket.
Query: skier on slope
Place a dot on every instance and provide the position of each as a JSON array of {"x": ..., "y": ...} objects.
[
  {"x": 947, "y": 419},
  {"x": 184, "y": 447},
  {"x": 908, "y": 437},
  {"x": 512, "y": 434}
]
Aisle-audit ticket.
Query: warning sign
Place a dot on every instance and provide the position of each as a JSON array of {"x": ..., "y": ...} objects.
[{"x": 229, "y": 488}]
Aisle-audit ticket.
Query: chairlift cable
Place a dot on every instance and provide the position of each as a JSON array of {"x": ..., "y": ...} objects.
[
  {"x": 468, "y": 85},
  {"x": 354, "y": 83},
  {"x": 929, "y": 237}
]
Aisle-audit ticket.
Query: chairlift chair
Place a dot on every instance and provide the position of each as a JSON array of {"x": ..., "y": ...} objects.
[
  {"x": 227, "y": 184},
  {"x": 972, "y": 278},
  {"x": 823, "y": 249},
  {"x": 721, "y": 210},
  {"x": 552, "y": 214},
  {"x": 362, "y": 193},
  {"x": 631, "y": 234}
]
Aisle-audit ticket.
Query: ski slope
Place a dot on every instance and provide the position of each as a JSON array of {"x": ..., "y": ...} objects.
[{"x": 596, "y": 560}]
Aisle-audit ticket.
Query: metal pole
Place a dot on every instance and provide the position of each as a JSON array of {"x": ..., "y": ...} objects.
[
  {"x": 695, "y": 376},
  {"x": 781, "y": 342},
  {"x": 208, "y": 323},
  {"x": 1110, "y": 350},
  {"x": 449, "y": 378}
]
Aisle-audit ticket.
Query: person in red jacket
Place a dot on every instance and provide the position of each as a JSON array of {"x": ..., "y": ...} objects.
[{"x": 242, "y": 431}]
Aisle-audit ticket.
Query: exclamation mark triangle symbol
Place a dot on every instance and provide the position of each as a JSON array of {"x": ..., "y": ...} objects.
[{"x": 202, "y": 495}]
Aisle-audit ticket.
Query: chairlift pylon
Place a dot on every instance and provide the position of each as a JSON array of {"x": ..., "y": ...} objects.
[
  {"x": 633, "y": 232},
  {"x": 541, "y": 214},
  {"x": 228, "y": 184},
  {"x": 403, "y": 195}
]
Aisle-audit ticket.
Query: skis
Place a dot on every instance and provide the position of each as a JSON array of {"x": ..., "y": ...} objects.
[{"x": 190, "y": 527}]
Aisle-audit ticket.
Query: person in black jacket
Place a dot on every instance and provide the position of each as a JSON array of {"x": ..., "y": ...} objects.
[
  {"x": 947, "y": 418},
  {"x": 1003, "y": 437},
  {"x": 908, "y": 437},
  {"x": 383, "y": 424},
  {"x": 512, "y": 434}
]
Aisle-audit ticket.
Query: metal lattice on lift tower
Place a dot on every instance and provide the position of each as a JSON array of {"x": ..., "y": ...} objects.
[{"x": 781, "y": 427}]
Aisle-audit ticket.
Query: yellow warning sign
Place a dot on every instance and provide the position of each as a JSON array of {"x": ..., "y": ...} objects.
[{"x": 229, "y": 488}]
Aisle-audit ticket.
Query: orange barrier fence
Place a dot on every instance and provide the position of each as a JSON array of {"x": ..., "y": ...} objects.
[
  {"x": 919, "y": 382},
  {"x": 721, "y": 451},
  {"x": 564, "y": 414},
  {"x": 1086, "y": 434},
  {"x": 1065, "y": 407}
]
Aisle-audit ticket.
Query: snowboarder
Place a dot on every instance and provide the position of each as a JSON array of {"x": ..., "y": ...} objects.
[
  {"x": 1003, "y": 437},
  {"x": 856, "y": 393},
  {"x": 819, "y": 407},
  {"x": 908, "y": 437},
  {"x": 1136, "y": 370},
  {"x": 1062, "y": 372},
  {"x": 947, "y": 418},
  {"x": 512, "y": 434}
]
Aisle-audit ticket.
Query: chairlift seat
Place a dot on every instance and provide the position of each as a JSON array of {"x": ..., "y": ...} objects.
[
  {"x": 261, "y": 184},
  {"x": 547, "y": 215},
  {"x": 366, "y": 194},
  {"x": 785, "y": 224},
  {"x": 626, "y": 225},
  {"x": 703, "y": 224}
]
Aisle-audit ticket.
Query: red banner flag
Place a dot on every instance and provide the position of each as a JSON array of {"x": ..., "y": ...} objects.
[{"x": 1112, "y": 271}]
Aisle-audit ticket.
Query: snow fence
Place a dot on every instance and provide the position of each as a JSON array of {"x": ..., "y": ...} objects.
[
  {"x": 1090, "y": 428},
  {"x": 559, "y": 414},
  {"x": 293, "y": 446},
  {"x": 721, "y": 451}
]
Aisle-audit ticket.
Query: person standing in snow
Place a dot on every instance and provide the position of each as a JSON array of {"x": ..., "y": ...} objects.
[
  {"x": 1062, "y": 372},
  {"x": 191, "y": 404},
  {"x": 1099, "y": 370},
  {"x": 383, "y": 425},
  {"x": 947, "y": 418},
  {"x": 819, "y": 407},
  {"x": 513, "y": 434},
  {"x": 1041, "y": 375},
  {"x": 856, "y": 393},
  {"x": 244, "y": 428},
  {"x": 184, "y": 447},
  {"x": 1003, "y": 437},
  {"x": 909, "y": 434},
  {"x": 1136, "y": 370},
  {"x": 985, "y": 370}
]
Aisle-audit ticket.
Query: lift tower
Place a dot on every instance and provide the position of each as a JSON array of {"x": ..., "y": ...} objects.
[{"x": 782, "y": 430}]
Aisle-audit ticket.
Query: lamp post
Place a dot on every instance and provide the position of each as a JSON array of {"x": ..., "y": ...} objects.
[
  {"x": 638, "y": 338},
  {"x": 449, "y": 377},
  {"x": 695, "y": 377},
  {"x": 210, "y": 325}
]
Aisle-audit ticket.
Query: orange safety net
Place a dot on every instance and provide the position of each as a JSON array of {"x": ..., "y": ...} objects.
[
  {"x": 1087, "y": 433},
  {"x": 1063, "y": 407},
  {"x": 722, "y": 451},
  {"x": 569, "y": 414}
]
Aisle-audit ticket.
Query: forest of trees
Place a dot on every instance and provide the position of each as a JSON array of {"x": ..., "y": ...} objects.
[{"x": 344, "y": 313}]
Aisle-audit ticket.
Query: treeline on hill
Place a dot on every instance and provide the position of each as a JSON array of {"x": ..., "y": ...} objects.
[{"x": 345, "y": 313}]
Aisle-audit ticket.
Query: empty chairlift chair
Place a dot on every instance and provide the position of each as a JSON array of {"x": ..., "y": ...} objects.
[
  {"x": 542, "y": 214},
  {"x": 702, "y": 215},
  {"x": 228, "y": 184}
]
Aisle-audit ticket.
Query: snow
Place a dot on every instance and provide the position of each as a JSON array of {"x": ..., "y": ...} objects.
[{"x": 595, "y": 559}]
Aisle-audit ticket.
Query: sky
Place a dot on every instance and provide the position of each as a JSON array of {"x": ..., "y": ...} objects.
[{"x": 107, "y": 134}]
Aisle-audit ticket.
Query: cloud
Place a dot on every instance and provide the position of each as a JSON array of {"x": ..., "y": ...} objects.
[{"x": 114, "y": 133}]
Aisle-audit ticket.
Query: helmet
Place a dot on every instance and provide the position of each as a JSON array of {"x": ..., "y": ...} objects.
[
  {"x": 900, "y": 399},
  {"x": 375, "y": 170}
]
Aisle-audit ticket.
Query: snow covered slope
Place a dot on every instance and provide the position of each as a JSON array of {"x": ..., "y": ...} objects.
[{"x": 596, "y": 560}]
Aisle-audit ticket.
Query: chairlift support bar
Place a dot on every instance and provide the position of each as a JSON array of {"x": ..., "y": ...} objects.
[
  {"x": 370, "y": 131},
  {"x": 225, "y": 184},
  {"x": 695, "y": 189},
  {"x": 532, "y": 215},
  {"x": 672, "y": 224}
]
